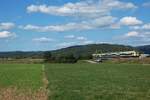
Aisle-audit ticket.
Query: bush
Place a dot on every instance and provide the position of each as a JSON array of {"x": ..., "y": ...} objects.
[
  {"x": 63, "y": 58},
  {"x": 47, "y": 56}
]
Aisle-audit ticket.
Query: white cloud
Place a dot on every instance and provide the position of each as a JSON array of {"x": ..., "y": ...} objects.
[
  {"x": 135, "y": 27},
  {"x": 84, "y": 25},
  {"x": 142, "y": 27},
  {"x": 92, "y": 14},
  {"x": 77, "y": 38},
  {"x": 81, "y": 38},
  {"x": 6, "y": 34},
  {"x": 87, "y": 42},
  {"x": 130, "y": 21},
  {"x": 43, "y": 40},
  {"x": 84, "y": 8},
  {"x": 66, "y": 44},
  {"x": 132, "y": 34},
  {"x": 6, "y": 25},
  {"x": 102, "y": 21},
  {"x": 56, "y": 28},
  {"x": 70, "y": 37},
  {"x": 69, "y": 9},
  {"x": 136, "y": 37},
  {"x": 146, "y": 26},
  {"x": 119, "y": 4}
]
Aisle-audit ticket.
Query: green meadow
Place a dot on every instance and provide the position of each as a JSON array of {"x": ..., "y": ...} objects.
[
  {"x": 98, "y": 81},
  {"x": 22, "y": 76},
  {"x": 81, "y": 81}
]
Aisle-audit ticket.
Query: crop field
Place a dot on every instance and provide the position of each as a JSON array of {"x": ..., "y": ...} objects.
[
  {"x": 20, "y": 81},
  {"x": 98, "y": 81},
  {"x": 80, "y": 81},
  {"x": 21, "y": 75}
]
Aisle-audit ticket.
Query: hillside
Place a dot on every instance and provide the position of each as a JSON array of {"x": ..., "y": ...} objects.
[
  {"x": 144, "y": 49},
  {"x": 20, "y": 54},
  {"x": 85, "y": 51},
  {"x": 81, "y": 51}
]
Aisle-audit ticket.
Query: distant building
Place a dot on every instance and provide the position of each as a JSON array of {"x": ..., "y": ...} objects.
[{"x": 126, "y": 54}]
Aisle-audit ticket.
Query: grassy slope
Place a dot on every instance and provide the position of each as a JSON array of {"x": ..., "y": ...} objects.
[
  {"x": 21, "y": 76},
  {"x": 98, "y": 81}
]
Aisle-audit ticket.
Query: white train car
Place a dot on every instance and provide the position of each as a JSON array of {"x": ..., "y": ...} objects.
[{"x": 98, "y": 57}]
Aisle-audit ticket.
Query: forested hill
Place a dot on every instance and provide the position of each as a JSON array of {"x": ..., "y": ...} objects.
[
  {"x": 82, "y": 51},
  {"x": 85, "y": 51},
  {"x": 20, "y": 54},
  {"x": 145, "y": 49}
]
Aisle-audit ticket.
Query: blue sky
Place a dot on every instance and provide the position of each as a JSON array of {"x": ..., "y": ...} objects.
[{"x": 32, "y": 25}]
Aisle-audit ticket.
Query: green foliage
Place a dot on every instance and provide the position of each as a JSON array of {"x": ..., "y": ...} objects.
[
  {"x": 47, "y": 56},
  {"x": 86, "y": 51},
  {"x": 22, "y": 76},
  {"x": 84, "y": 81},
  {"x": 22, "y": 55},
  {"x": 63, "y": 58}
]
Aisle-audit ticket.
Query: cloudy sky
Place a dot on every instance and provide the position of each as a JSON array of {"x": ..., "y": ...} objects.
[{"x": 31, "y": 25}]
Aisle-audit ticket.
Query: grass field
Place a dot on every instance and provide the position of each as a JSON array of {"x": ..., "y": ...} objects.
[
  {"x": 81, "y": 81},
  {"x": 98, "y": 81},
  {"x": 21, "y": 75},
  {"x": 22, "y": 82}
]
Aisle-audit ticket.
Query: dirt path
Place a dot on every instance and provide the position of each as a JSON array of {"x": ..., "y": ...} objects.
[
  {"x": 45, "y": 81},
  {"x": 15, "y": 94}
]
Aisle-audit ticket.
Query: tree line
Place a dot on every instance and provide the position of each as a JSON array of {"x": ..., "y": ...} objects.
[
  {"x": 63, "y": 58},
  {"x": 67, "y": 55}
]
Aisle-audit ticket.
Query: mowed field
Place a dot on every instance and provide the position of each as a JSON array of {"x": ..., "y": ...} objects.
[
  {"x": 81, "y": 81},
  {"x": 98, "y": 81},
  {"x": 21, "y": 75},
  {"x": 21, "y": 81}
]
